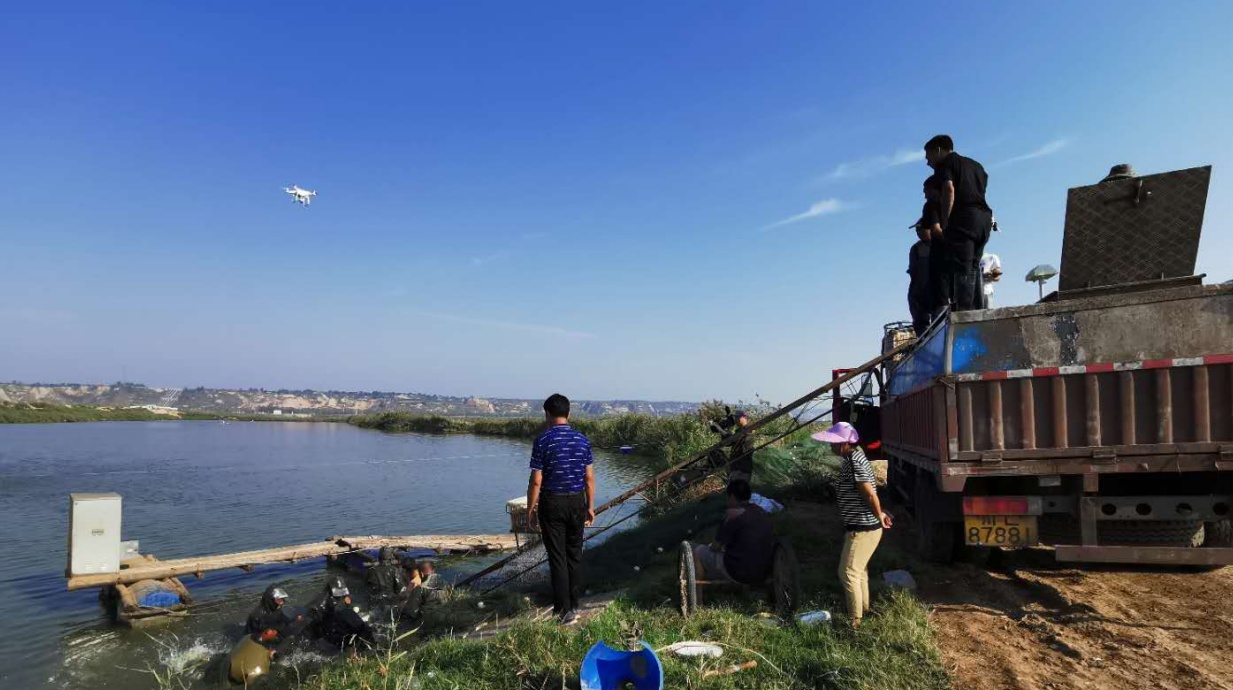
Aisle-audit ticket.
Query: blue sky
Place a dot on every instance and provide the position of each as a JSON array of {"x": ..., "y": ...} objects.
[{"x": 644, "y": 200}]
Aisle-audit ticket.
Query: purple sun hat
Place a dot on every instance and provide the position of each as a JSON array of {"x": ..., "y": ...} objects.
[{"x": 840, "y": 433}]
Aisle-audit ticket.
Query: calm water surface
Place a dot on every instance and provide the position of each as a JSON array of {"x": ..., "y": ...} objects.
[{"x": 194, "y": 488}]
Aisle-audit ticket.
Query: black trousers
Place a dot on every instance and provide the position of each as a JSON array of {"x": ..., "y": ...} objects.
[
  {"x": 561, "y": 519},
  {"x": 954, "y": 262},
  {"x": 919, "y": 305}
]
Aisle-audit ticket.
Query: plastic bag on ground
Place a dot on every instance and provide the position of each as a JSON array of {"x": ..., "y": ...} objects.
[
  {"x": 900, "y": 578},
  {"x": 770, "y": 505},
  {"x": 694, "y": 648}
]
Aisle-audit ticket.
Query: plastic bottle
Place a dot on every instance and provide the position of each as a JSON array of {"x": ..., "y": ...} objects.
[{"x": 813, "y": 617}]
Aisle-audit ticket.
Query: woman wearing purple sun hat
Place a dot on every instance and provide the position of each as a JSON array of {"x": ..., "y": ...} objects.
[{"x": 863, "y": 519}]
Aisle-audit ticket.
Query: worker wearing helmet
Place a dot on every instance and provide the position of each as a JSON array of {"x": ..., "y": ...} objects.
[
  {"x": 338, "y": 623},
  {"x": 268, "y": 613},
  {"x": 387, "y": 579}
]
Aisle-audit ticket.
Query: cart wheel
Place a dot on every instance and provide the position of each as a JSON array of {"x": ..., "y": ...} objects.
[
  {"x": 785, "y": 580},
  {"x": 688, "y": 580}
]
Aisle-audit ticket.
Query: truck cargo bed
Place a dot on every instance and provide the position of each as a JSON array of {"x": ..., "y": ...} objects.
[{"x": 1120, "y": 383}]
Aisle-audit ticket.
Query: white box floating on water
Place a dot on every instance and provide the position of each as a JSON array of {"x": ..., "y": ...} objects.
[{"x": 94, "y": 534}]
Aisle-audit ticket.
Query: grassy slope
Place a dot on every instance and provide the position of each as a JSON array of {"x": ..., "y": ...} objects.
[
  {"x": 39, "y": 413},
  {"x": 894, "y": 649}
]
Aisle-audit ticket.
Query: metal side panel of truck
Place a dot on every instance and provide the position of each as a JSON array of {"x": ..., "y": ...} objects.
[
  {"x": 1099, "y": 419},
  {"x": 1115, "y": 410}
]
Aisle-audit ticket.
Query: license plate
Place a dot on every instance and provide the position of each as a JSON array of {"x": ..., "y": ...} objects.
[{"x": 1000, "y": 530}]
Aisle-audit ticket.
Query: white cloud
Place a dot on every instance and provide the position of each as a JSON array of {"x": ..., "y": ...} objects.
[
  {"x": 1047, "y": 150},
  {"x": 822, "y": 208},
  {"x": 873, "y": 165},
  {"x": 510, "y": 325}
]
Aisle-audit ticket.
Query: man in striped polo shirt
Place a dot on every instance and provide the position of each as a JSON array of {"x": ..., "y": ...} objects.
[
  {"x": 861, "y": 511},
  {"x": 561, "y": 495}
]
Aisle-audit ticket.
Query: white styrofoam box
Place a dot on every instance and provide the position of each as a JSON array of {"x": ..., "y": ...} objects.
[{"x": 94, "y": 533}]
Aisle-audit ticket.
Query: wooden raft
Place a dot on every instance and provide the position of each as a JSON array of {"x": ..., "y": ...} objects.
[
  {"x": 129, "y": 612},
  {"x": 151, "y": 569}
]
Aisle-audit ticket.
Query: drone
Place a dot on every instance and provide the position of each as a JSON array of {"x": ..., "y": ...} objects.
[{"x": 301, "y": 196}]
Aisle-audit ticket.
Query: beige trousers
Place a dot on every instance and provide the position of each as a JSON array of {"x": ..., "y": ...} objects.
[{"x": 858, "y": 548}]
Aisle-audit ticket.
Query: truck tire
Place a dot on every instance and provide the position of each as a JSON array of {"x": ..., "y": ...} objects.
[
  {"x": 1218, "y": 535},
  {"x": 936, "y": 540},
  {"x": 1056, "y": 529},
  {"x": 900, "y": 481},
  {"x": 1151, "y": 533}
]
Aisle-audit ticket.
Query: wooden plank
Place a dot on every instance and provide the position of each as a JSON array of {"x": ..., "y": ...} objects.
[{"x": 157, "y": 570}]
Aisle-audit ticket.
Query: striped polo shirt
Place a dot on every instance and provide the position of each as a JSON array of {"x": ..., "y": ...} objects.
[
  {"x": 853, "y": 507},
  {"x": 563, "y": 455}
]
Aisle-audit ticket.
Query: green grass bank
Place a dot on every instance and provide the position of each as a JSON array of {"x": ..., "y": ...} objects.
[
  {"x": 894, "y": 649},
  {"x": 665, "y": 439}
]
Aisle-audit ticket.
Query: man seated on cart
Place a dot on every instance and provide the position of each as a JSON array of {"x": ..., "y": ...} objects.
[{"x": 744, "y": 546}]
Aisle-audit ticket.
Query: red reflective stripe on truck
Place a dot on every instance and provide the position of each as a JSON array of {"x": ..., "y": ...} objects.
[
  {"x": 1098, "y": 368},
  {"x": 1001, "y": 505}
]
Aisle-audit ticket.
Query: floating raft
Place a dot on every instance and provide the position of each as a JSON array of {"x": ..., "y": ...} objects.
[{"x": 136, "y": 570}]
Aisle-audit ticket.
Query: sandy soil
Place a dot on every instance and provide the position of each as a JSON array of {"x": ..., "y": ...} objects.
[{"x": 1025, "y": 621}]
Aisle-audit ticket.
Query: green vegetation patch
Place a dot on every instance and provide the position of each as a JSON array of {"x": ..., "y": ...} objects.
[
  {"x": 668, "y": 440},
  {"x": 894, "y": 649}
]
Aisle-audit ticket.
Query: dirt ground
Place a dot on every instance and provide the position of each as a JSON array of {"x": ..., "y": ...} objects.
[{"x": 1026, "y": 621}]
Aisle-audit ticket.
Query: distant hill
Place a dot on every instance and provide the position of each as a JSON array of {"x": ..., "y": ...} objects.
[{"x": 309, "y": 402}]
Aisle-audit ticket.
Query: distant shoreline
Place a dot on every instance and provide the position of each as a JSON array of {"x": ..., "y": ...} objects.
[{"x": 40, "y": 413}]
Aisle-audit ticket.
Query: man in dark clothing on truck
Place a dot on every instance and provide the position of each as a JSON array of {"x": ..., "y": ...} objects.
[
  {"x": 920, "y": 298},
  {"x": 744, "y": 546},
  {"x": 966, "y": 221}
]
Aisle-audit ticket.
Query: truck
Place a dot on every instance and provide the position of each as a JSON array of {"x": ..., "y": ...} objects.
[{"x": 1098, "y": 420}]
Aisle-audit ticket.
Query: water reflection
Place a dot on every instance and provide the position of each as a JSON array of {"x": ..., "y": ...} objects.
[{"x": 193, "y": 488}]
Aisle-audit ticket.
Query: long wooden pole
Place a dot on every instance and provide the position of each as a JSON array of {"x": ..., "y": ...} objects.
[
  {"x": 337, "y": 546},
  {"x": 753, "y": 426}
]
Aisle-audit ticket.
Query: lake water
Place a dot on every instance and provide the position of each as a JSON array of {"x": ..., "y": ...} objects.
[{"x": 195, "y": 488}]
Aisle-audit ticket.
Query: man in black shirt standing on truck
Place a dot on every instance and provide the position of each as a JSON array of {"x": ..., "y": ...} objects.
[
  {"x": 966, "y": 221},
  {"x": 920, "y": 293}
]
